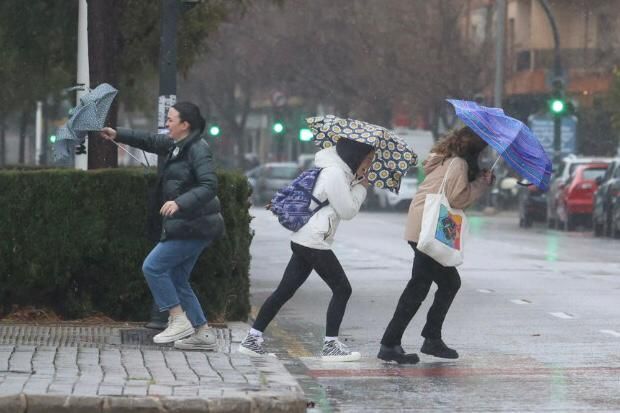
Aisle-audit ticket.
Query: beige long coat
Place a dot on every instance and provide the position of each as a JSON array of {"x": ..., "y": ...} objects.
[{"x": 460, "y": 192}]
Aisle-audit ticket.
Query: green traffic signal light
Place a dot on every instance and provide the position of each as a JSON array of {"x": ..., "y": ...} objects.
[
  {"x": 214, "y": 130},
  {"x": 305, "y": 135},
  {"x": 557, "y": 106},
  {"x": 278, "y": 127},
  {"x": 52, "y": 138}
]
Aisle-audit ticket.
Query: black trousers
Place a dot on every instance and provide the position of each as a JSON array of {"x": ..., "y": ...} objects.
[
  {"x": 301, "y": 264},
  {"x": 425, "y": 271}
]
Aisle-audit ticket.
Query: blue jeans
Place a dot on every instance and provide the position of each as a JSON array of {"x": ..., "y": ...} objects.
[{"x": 167, "y": 269}]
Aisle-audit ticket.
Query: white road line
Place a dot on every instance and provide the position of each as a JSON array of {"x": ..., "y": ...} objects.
[
  {"x": 520, "y": 302},
  {"x": 563, "y": 315},
  {"x": 611, "y": 332},
  {"x": 485, "y": 291}
]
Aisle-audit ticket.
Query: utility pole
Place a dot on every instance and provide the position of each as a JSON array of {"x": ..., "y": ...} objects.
[
  {"x": 498, "y": 94},
  {"x": 83, "y": 74},
  {"x": 169, "y": 15},
  {"x": 557, "y": 83},
  {"x": 38, "y": 135}
]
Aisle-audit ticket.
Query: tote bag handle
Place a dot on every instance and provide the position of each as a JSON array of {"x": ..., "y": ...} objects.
[{"x": 445, "y": 178}]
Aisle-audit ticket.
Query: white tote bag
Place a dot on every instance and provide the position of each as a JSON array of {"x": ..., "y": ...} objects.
[{"x": 443, "y": 228}]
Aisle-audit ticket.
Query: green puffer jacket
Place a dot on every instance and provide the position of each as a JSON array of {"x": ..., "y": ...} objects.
[{"x": 188, "y": 178}]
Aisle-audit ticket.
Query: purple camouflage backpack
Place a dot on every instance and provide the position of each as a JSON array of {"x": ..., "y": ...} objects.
[{"x": 291, "y": 204}]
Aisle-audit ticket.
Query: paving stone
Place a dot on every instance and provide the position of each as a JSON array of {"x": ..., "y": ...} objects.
[
  {"x": 105, "y": 390},
  {"x": 64, "y": 375},
  {"x": 135, "y": 391},
  {"x": 159, "y": 390}
]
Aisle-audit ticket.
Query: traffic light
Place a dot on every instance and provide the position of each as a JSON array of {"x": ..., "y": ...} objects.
[
  {"x": 52, "y": 138},
  {"x": 557, "y": 106},
  {"x": 557, "y": 103},
  {"x": 214, "y": 130},
  {"x": 278, "y": 128},
  {"x": 305, "y": 135}
]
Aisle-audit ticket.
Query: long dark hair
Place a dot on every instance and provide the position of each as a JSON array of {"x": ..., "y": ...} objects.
[
  {"x": 352, "y": 152},
  {"x": 464, "y": 143},
  {"x": 190, "y": 113}
]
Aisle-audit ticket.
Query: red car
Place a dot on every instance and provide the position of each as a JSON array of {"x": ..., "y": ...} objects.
[{"x": 575, "y": 199}]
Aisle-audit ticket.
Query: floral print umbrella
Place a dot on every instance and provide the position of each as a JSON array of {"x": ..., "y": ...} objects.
[{"x": 393, "y": 157}]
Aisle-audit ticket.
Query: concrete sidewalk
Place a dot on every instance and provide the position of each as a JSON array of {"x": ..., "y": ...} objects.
[{"x": 117, "y": 368}]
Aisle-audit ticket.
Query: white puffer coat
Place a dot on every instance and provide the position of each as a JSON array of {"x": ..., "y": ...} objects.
[{"x": 336, "y": 183}]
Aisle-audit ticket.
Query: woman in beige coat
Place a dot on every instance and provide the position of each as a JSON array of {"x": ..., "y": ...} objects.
[{"x": 465, "y": 183}]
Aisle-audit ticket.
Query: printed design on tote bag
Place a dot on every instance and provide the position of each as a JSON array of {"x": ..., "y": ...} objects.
[{"x": 449, "y": 228}]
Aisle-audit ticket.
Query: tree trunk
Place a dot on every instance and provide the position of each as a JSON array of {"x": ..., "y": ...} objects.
[{"x": 104, "y": 47}]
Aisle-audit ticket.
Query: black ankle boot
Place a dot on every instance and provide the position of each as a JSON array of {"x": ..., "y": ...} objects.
[
  {"x": 397, "y": 354},
  {"x": 436, "y": 347}
]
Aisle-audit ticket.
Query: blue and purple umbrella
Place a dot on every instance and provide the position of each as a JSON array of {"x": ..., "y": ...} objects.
[{"x": 511, "y": 138}]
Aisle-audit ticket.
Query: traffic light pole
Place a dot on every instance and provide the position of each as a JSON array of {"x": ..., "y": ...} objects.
[
  {"x": 169, "y": 15},
  {"x": 558, "y": 84}
]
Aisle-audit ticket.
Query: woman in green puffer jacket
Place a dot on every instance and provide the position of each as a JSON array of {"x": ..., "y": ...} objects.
[{"x": 191, "y": 220}]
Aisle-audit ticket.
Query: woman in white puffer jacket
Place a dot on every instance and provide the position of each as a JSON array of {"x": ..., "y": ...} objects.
[{"x": 343, "y": 183}]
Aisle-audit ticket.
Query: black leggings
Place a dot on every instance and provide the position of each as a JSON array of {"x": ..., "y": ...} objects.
[
  {"x": 302, "y": 262},
  {"x": 425, "y": 271}
]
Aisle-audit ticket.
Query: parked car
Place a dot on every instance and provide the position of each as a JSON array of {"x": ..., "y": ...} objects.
[
  {"x": 532, "y": 204},
  {"x": 267, "y": 179},
  {"x": 575, "y": 199},
  {"x": 559, "y": 179},
  {"x": 608, "y": 190},
  {"x": 614, "y": 224}
]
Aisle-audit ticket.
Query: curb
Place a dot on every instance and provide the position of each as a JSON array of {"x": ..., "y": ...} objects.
[{"x": 237, "y": 402}]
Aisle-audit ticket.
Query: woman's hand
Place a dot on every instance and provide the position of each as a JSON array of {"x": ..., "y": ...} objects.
[
  {"x": 108, "y": 134},
  {"x": 169, "y": 208}
]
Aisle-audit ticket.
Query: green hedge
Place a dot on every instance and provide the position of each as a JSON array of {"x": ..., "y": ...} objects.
[{"x": 75, "y": 241}]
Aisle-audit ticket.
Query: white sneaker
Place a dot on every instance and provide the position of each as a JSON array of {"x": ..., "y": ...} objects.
[
  {"x": 205, "y": 340},
  {"x": 334, "y": 350},
  {"x": 253, "y": 346},
  {"x": 178, "y": 327}
]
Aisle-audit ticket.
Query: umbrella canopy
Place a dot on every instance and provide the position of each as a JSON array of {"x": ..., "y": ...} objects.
[
  {"x": 63, "y": 146},
  {"x": 510, "y": 137},
  {"x": 393, "y": 157},
  {"x": 89, "y": 115}
]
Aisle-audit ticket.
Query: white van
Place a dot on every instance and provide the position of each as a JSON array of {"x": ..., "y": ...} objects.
[{"x": 420, "y": 141}]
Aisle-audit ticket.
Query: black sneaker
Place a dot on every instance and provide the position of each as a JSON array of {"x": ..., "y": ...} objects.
[
  {"x": 397, "y": 354},
  {"x": 436, "y": 347}
]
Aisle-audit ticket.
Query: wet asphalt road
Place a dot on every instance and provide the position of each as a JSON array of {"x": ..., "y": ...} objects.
[{"x": 536, "y": 322}]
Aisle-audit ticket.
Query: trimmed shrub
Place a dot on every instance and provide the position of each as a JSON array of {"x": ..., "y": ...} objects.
[{"x": 74, "y": 241}]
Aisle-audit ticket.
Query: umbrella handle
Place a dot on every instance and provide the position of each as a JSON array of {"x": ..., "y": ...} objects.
[
  {"x": 495, "y": 163},
  {"x": 129, "y": 153}
]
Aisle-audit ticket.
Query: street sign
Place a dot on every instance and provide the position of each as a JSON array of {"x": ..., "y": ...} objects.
[{"x": 542, "y": 126}]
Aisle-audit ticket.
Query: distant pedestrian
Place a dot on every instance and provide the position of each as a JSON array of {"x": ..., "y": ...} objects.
[
  {"x": 465, "y": 183},
  {"x": 343, "y": 183},
  {"x": 191, "y": 220}
]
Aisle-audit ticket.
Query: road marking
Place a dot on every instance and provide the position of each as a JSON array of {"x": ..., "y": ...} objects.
[
  {"x": 611, "y": 332},
  {"x": 485, "y": 291},
  {"x": 520, "y": 301},
  {"x": 563, "y": 315}
]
